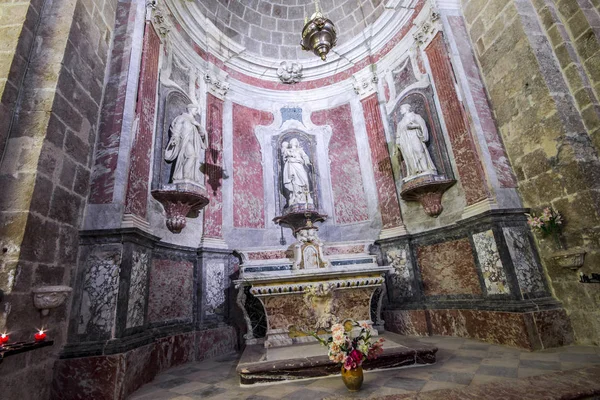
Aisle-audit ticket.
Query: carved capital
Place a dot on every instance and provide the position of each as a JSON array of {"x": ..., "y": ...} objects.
[
  {"x": 426, "y": 30},
  {"x": 216, "y": 85}
]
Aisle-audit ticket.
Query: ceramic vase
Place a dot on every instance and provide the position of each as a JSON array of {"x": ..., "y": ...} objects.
[{"x": 353, "y": 378}]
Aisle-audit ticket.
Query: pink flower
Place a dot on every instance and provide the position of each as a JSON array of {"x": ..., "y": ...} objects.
[
  {"x": 356, "y": 355},
  {"x": 349, "y": 363}
]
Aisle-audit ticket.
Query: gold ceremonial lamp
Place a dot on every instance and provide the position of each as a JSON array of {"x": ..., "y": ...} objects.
[{"x": 318, "y": 34}]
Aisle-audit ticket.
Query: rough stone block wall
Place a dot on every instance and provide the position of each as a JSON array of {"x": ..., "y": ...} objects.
[
  {"x": 45, "y": 174},
  {"x": 537, "y": 61},
  {"x": 17, "y": 22}
]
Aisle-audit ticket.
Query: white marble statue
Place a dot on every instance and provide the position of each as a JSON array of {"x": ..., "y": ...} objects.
[
  {"x": 411, "y": 136},
  {"x": 295, "y": 173},
  {"x": 187, "y": 140}
]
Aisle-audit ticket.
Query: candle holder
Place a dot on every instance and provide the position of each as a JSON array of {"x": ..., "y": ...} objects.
[{"x": 10, "y": 349}]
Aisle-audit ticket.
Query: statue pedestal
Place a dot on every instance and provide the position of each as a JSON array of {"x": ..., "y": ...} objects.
[
  {"x": 180, "y": 200},
  {"x": 427, "y": 190},
  {"x": 300, "y": 301}
]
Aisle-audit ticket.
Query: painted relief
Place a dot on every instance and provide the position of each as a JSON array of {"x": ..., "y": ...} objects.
[
  {"x": 526, "y": 266},
  {"x": 137, "y": 289},
  {"x": 491, "y": 265},
  {"x": 100, "y": 289}
]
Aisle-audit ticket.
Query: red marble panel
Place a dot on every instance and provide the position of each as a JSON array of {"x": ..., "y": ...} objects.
[
  {"x": 86, "y": 378},
  {"x": 493, "y": 140},
  {"x": 140, "y": 368},
  {"x": 463, "y": 148},
  {"x": 174, "y": 350},
  {"x": 406, "y": 322},
  {"x": 213, "y": 212},
  {"x": 215, "y": 342},
  {"x": 111, "y": 120},
  {"x": 170, "y": 293},
  {"x": 349, "y": 201},
  {"x": 348, "y": 249},
  {"x": 141, "y": 151},
  {"x": 382, "y": 165},
  {"x": 306, "y": 85},
  {"x": 267, "y": 255},
  {"x": 448, "y": 268},
  {"x": 511, "y": 329},
  {"x": 554, "y": 328},
  {"x": 248, "y": 188}
]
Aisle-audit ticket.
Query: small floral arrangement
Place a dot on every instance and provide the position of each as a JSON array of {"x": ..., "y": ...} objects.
[
  {"x": 548, "y": 223},
  {"x": 351, "y": 352}
]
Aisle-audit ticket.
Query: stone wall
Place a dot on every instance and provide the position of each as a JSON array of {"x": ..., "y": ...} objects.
[
  {"x": 547, "y": 114},
  {"x": 45, "y": 170}
]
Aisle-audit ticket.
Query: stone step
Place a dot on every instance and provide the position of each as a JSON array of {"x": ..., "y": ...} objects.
[{"x": 258, "y": 366}]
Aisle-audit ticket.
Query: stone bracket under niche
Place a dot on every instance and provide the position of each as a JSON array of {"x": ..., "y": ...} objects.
[
  {"x": 427, "y": 190},
  {"x": 179, "y": 202}
]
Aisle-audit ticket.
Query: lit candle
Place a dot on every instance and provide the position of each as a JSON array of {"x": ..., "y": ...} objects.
[
  {"x": 4, "y": 338},
  {"x": 40, "y": 336}
]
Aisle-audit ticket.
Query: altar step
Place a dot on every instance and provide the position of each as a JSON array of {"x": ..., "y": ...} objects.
[{"x": 261, "y": 365}]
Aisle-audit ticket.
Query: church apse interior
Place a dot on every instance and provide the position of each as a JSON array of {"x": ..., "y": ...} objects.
[{"x": 194, "y": 192}]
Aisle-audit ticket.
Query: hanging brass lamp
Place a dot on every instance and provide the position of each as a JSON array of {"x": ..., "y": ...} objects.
[{"x": 318, "y": 34}]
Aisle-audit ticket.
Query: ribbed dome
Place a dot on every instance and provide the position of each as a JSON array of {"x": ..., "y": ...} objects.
[{"x": 271, "y": 28}]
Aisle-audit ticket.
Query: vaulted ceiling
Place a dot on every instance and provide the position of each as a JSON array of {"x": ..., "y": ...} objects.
[{"x": 272, "y": 28}]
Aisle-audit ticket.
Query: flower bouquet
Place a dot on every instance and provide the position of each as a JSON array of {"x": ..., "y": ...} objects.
[
  {"x": 548, "y": 223},
  {"x": 351, "y": 352}
]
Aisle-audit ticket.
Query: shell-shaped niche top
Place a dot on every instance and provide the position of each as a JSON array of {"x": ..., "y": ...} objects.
[{"x": 46, "y": 298}]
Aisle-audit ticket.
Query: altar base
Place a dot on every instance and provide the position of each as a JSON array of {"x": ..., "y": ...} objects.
[{"x": 260, "y": 365}]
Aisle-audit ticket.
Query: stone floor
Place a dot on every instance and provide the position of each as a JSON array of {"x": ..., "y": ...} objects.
[{"x": 460, "y": 363}]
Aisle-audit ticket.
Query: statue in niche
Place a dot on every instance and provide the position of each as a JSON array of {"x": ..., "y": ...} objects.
[
  {"x": 295, "y": 173},
  {"x": 187, "y": 140},
  {"x": 411, "y": 136}
]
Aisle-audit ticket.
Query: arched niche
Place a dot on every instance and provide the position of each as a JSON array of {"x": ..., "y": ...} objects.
[
  {"x": 172, "y": 103},
  {"x": 309, "y": 145},
  {"x": 421, "y": 101}
]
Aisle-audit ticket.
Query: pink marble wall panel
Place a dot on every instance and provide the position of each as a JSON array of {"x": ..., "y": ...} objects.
[
  {"x": 448, "y": 268},
  {"x": 349, "y": 201},
  {"x": 350, "y": 249},
  {"x": 141, "y": 152},
  {"x": 511, "y": 329},
  {"x": 83, "y": 378},
  {"x": 382, "y": 165},
  {"x": 493, "y": 140},
  {"x": 215, "y": 342},
  {"x": 174, "y": 350},
  {"x": 171, "y": 290},
  {"x": 111, "y": 119},
  {"x": 554, "y": 328},
  {"x": 406, "y": 322},
  {"x": 248, "y": 188},
  {"x": 140, "y": 367},
  {"x": 213, "y": 212},
  {"x": 463, "y": 148},
  {"x": 306, "y": 85}
]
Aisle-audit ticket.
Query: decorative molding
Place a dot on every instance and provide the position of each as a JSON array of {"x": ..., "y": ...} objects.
[
  {"x": 306, "y": 287},
  {"x": 289, "y": 72},
  {"x": 426, "y": 30},
  {"x": 157, "y": 15},
  {"x": 365, "y": 82},
  {"x": 216, "y": 84}
]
